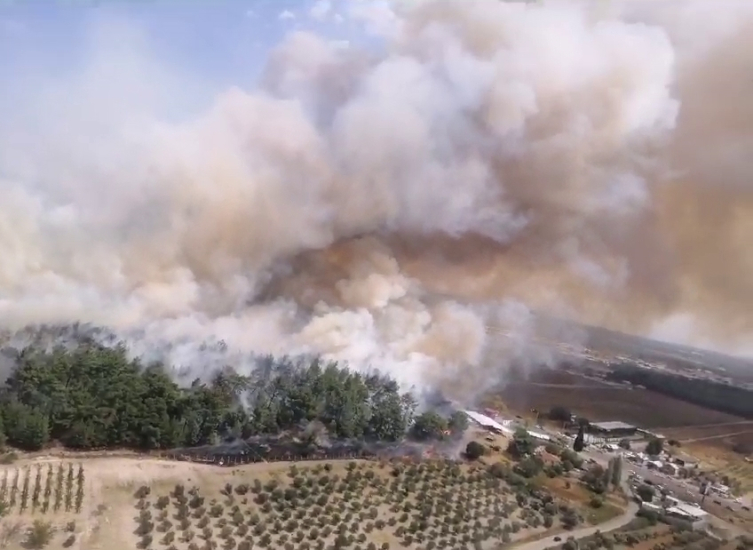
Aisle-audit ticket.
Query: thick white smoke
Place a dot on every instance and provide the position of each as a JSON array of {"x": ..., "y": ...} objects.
[{"x": 521, "y": 155}]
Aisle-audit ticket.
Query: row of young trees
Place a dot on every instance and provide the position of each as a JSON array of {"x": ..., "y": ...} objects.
[
  {"x": 94, "y": 396},
  {"x": 43, "y": 489},
  {"x": 435, "y": 505},
  {"x": 736, "y": 400}
]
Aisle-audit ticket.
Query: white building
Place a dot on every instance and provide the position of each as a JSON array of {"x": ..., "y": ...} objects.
[
  {"x": 671, "y": 469},
  {"x": 505, "y": 428},
  {"x": 650, "y": 507},
  {"x": 539, "y": 435},
  {"x": 489, "y": 423},
  {"x": 687, "y": 516}
]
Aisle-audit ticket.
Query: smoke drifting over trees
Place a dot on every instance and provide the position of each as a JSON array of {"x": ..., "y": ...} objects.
[
  {"x": 504, "y": 155},
  {"x": 94, "y": 397}
]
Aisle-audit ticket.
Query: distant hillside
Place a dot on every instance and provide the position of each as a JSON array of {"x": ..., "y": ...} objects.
[{"x": 674, "y": 355}]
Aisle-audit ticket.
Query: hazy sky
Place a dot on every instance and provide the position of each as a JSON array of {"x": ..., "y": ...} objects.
[
  {"x": 98, "y": 178},
  {"x": 219, "y": 42}
]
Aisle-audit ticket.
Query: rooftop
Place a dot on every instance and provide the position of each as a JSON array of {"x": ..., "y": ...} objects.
[
  {"x": 616, "y": 425},
  {"x": 487, "y": 422},
  {"x": 539, "y": 435},
  {"x": 688, "y": 510}
]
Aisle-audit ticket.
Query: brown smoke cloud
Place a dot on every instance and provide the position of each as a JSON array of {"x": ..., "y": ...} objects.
[{"x": 400, "y": 209}]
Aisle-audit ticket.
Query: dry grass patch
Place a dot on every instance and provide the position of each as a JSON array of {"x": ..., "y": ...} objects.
[
  {"x": 41, "y": 502},
  {"x": 130, "y": 503},
  {"x": 725, "y": 463},
  {"x": 641, "y": 534},
  {"x": 568, "y": 490},
  {"x": 358, "y": 505}
]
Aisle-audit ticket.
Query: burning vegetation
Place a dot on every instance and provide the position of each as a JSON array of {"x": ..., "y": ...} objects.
[{"x": 90, "y": 396}]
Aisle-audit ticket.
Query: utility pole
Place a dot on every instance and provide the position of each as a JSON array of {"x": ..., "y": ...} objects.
[{"x": 705, "y": 491}]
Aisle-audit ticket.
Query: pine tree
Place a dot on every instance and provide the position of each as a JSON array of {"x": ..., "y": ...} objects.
[
  {"x": 36, "y": 490},
  {"x": 608, "y": 473},
  {"x": 617, "y": 472},
  {"x": 4, "y": 487},
  {"x": 2, "y": 435},
  {"x": 579, "y": 442},
  {"x": 14, "y": 488},
  {"x": 654, "y": 447},
  {"x": 69, "y": 489},
  {"x": 59, "y": 478},
  {"x": 49, "y": 479},
  {"x": 25, "y": 490},
  {"x": 80, "y": 488}
]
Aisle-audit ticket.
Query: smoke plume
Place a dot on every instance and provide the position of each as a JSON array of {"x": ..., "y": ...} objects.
[{"x": 405, "y": 207}]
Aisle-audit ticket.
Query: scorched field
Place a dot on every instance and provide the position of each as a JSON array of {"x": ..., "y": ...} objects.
[{"x": 598, "y": 401}]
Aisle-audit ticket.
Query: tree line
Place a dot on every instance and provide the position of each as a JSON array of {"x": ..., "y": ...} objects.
[
  {"x": 706, "y": 393},
  {"x": 92, "y": 396}
]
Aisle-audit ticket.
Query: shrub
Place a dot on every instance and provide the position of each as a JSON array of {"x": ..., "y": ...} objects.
[
  {"x": 559, "y": 413},
  {"x": 569, "y": 519},
  {"x": 654, "y": 447},
  {"x": 162, "y": 503},
  {"x": 650, "y": 515},
  {"x": 645, "y": 492},
  {"x": 474, "y": 450},
  {"x": 8, "y": 458},
  {"x": 38, "y": 535}
]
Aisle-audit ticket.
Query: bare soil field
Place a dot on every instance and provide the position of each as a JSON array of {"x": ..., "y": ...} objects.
[
  {"x": 724, "y": 462},
  {"x": 128, "y": 503},
  {"x": 561, "y": 378},
  {"x": 599, "y": 402},
  {"x": 726, "y": 434}
]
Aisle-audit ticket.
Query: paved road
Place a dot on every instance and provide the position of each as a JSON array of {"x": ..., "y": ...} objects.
[
  {"x": 683, "y": 489},
  {"x": 615, "y": 523},
  {"x": 618, "y": 387},
  {"x": 687, "y": 490},
  {"x": 605, "y": 527}
]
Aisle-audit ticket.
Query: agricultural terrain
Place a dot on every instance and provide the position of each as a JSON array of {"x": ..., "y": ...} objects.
[
  {"x": 708, "y": 435},
  {"x": 41, "y": 502},
  {"x": 601, "y": 401},
  {"x": 128, "y": 503}
]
